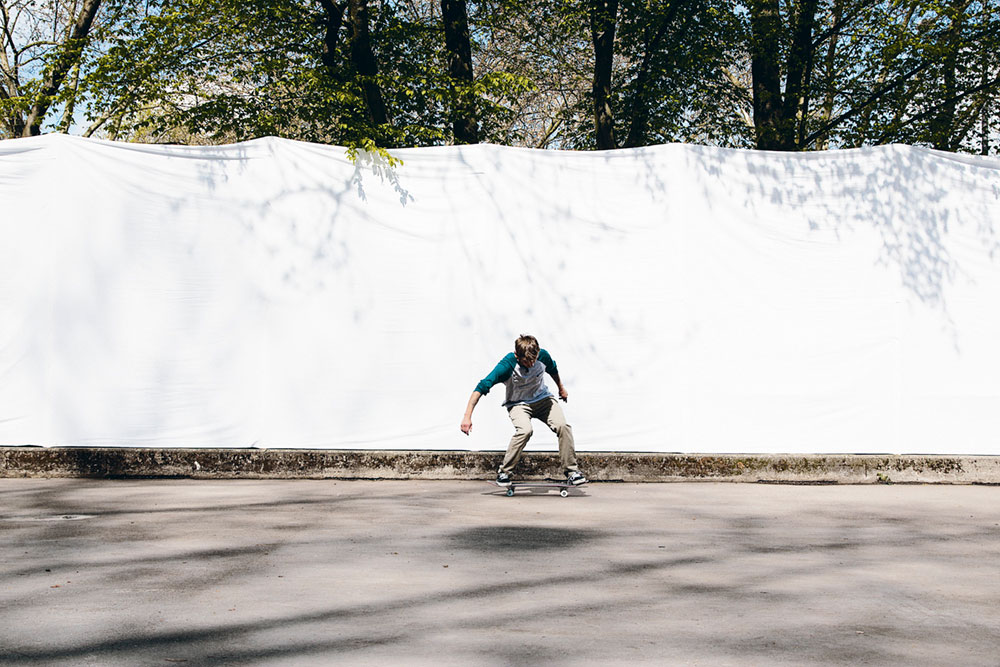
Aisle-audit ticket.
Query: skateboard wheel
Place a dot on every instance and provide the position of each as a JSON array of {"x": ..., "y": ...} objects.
[
  {"x": 510, "y": 491},
  {"x": 563, "y": 493}
]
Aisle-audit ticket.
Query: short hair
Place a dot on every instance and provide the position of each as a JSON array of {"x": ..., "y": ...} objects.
[{"x": 526, "y": 346}]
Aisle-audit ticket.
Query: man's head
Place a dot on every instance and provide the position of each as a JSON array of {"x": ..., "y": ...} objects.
[{"x": 526, "y": 350}]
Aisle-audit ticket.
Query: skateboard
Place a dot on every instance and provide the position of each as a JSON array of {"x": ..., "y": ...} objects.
[{"x": 563, "y": 486}]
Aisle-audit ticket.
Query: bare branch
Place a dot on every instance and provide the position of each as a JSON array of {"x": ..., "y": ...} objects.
[
  {"x": 34, "y": 45},
  {"x": 878, "y": 94},
  {"x": 845, "y": 19},
  {"x": 937, "y": 107}
]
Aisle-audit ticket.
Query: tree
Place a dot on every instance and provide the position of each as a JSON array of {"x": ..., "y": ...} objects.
[
  {"x": 338, "y": 71},
  {"x": 365, "y": 64},
  {"x": 458, "y": 46},
  {"x": 672, "y": 84},
  {"x": 302, "y": 69},
  {"x": 538, "y": 53},
  {"x": 776, "y": 112},
  {"x": 912, "y": 71},
  {"x": 603, "y": 16},
  {"x": 45, "y": 46},
  {"x": 625, "y": 73},
  {"x": 951, "y": 94}
]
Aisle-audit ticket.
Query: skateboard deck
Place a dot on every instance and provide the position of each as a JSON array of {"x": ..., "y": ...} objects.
[{"x": 562, "y": 485}]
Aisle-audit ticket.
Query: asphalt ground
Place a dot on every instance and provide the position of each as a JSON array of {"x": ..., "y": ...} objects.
[{"x": 323, "y": 572}]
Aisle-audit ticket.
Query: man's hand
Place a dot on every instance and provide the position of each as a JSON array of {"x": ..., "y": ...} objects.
[{"x": 467, "y": 426}]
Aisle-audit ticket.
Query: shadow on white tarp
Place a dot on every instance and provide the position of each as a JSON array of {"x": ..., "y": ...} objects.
[{"x": 274, "y": 294}]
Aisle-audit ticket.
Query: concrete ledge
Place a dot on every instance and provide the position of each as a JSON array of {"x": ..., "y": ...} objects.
[{"x": 128, "y": 462}]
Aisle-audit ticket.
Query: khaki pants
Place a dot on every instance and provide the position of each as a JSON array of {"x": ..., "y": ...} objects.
[{"x": 549, "y": 411}]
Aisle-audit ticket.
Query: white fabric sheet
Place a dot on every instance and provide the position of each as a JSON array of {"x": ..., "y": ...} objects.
[{"x": 273, "y": 294}]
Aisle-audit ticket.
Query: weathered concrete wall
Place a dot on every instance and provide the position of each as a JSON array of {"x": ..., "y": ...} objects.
[{"x": 374, "y": 464}]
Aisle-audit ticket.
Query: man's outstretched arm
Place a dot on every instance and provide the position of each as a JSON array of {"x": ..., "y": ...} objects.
[
  {"x": 467, "y": 420},
  {"x": 500, "y": 373}
]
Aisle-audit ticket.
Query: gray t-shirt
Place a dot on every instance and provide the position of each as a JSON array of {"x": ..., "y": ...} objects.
[{"x": 524, "y": 385}]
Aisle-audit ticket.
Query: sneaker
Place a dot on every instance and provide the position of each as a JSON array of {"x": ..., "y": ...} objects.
[
  {"x": 576, "y": 478},
  {"x": 503, "y": 479}
]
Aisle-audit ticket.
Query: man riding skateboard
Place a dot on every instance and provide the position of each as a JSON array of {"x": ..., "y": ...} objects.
[{"x": 528, "y": 398}]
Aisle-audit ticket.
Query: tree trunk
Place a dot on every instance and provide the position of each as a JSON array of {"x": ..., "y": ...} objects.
[
  {"x": 823, "y": 141},
  {"x": 984, "y": 130},
  {"x": 14, "y": 122},
  {"x": 638, "y": 124},
  {"x": 364, "y": 61},
  {"x": 71, "y": 50},
  {"x": 603, "y": 18},
  {"x": 454, "y": 14},
  {"x": 943, "y": 136},
  {"x": 765, "y": 70},
  {"x": 638, "y": 127},
  {"x": 984, "y": 113},
  {"x": 334, "y": 22},
  {"x": 800, "y": 61},
  {"x": 67, "y": 119}
]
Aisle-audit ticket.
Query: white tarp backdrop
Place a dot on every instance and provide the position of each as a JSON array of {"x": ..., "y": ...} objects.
[{"x": 274, "y": 294}]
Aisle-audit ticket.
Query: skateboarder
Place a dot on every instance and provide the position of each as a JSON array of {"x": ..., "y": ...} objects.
[{"x": 528, "y": 397}]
